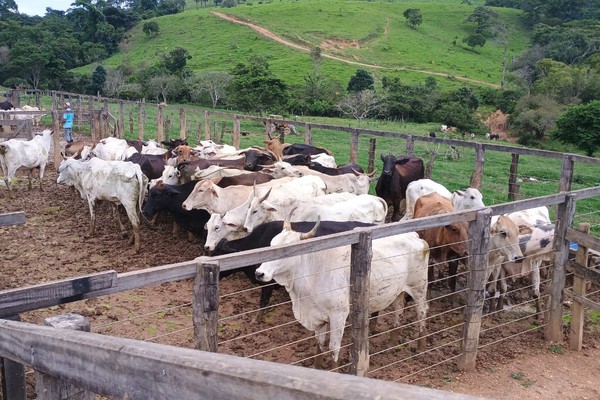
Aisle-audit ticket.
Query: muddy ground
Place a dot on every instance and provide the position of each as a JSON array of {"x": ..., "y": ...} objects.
[{"x": 53, "y": 244}]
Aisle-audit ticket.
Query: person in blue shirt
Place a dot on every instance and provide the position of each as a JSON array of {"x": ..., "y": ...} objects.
[{"x": 68, "y": 117}]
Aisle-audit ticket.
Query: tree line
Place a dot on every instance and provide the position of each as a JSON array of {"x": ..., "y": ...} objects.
[{"x": 556, "y": 76}]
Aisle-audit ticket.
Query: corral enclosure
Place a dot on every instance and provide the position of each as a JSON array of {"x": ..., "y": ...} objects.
[{"x": 280, "y": 338}]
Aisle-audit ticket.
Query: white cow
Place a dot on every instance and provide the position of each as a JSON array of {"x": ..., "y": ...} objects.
[
  {"x": 209, "y": 149},
  {"x": 318, "y": 283},
  {"x": 363, "y": 208},
  {"x": 170, "y": 176},
  {"x": 216, "y": 171},
  {"x": 461, "y": 199},
  {"x": 324, "y": 159},
  {"x": 15, "y": 154},
  {"x": 349, "y": 183},
  {"x": 210, "y": 197},
  {"x": 536, "y": 236},
  {"x": 116, "y": 181},
  {"x": 153, "y": 147},
  {"x": 113, "y": 149},
  {"x": 231, "y": 225}
]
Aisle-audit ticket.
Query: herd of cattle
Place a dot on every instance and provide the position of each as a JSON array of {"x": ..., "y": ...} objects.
[
  {"x": 8, "y": 106},
  {"x": 256, "y": 197}
]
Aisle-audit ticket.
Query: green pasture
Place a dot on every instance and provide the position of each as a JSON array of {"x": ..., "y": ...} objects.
[{"x": 377, "y": 29}]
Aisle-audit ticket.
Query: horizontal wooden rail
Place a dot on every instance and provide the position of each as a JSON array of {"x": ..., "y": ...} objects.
[
  {"x": 12, "y": 218},
  {"x": 582, "y": 300},
  {"x": 589, "y": 274},
  {"x": 125, "y": 368},
  {"x": 591, "y": 242}
]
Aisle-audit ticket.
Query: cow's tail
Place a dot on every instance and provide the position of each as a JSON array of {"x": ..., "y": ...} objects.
[{"x": 143, "y": 184}]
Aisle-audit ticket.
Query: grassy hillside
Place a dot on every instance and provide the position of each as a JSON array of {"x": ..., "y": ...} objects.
[{"x": 373, "y": 33}]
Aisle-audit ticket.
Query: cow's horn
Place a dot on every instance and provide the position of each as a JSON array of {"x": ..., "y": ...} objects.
[
  {"x": 265, "y": 196},
  {"x": 313, "y": 231},
  {"x": 372, "y": 174}
]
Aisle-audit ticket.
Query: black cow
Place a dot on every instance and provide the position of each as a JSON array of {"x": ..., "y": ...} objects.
[
  {"x": 136, "y": 144},
  {"x": 397, "y": 173},
  {"x": 298, "y": 159},
  {"x": 169, "y": 198},
  {"x": 254, "y": 158},
  {"x": 341, "y": 170},
  {"x": 494, "y": 136},
  {"x": 152, "y": 165},
  {"x": 6, "y": 105},
  {"x": 172, "y": 144},
  {"x": 432, "y": 134},
  {"x": 300, "y": 148},
  {"x": 248, "y": 179},
  {"x": 261, "y": 236}
]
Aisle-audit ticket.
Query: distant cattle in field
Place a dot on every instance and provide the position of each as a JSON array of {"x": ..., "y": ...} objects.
[
  {"x": 432, "y": 134},
  {"x": 494, "y": 136},
  {"x": 397, "y": 173}
]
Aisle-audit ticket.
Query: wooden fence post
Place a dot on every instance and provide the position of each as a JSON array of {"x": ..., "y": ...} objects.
[
  {"x": 410, "y": 146},
  {"x": 56, "y": 138},
  {"x": 159, "y": 125},
  {"x": 121, "y": 131},
  {"x": 48, "y": 387},
  {"x": 206, "y": 125},
  {"x": 205, "y": 305},
  {"x": 131, "y": 123},
  {"x": 308, "y": 134},
  {"x": 477, "y": 176},
  {"x": 566, "y": 173},
  {"x": 354, "y": 146},
  {"x": 13, "y": 375},
  {"x": 78, "y": 113},
  {"x": 140, "y": 121},
  {"x": 371, "y": 162},
  {"x": 479, "y": 232},
  {"x": 235, "y": 140},
  {"x": 182, "y": 125},
  {"x": 579, "y": 288},
  {"x": 564, "y": 215},
  {"x": 360, "y": 272},
  {"x": 215, "y": 134},
  {"x": 513, "y": 186}
]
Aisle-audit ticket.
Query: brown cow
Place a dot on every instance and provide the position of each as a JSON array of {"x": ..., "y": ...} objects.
[
  {"x": 443, "y": 239},
  {"x": 74, "y": 149},
  {"x": 184, "y": 153}
]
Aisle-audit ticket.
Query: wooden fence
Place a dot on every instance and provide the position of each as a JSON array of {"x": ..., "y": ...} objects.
[{"x": 16, "y": 339}]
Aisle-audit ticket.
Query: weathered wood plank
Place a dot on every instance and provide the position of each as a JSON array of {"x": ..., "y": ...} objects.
[
  {"x": 589, "y": 274},
  {"x": 12, "y": 218},
  {"x": 124, "y": 368},
  {"x": 48, "y": 387},
  {"x": 582, "y": 300},
  {"x": 583, "y": 239},
  {"x": 564, "y": 215},
  {"x": 14, "y": 301},
  {"x": 205, "y": 305},
  {"x": 479, "y": 233},
  {"x": 360, "y": 275},
  {"x": 579, "y": 284},
  {"x": 13, "y": 375}
]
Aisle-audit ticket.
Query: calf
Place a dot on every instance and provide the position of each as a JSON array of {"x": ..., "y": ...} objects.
[
  {"x": 15, "y": 154},
  {"x": 442, "y": 239},
  {"x": 6, "y": 105}
]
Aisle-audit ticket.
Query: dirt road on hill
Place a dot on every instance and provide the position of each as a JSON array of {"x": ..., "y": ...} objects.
[{"x": 270, "y": 35}]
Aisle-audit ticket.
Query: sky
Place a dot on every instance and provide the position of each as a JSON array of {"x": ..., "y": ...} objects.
[{"x": 38, "y": 7}]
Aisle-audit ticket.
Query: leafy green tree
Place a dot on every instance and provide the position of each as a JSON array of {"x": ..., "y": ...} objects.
[
  {"x": 151, "y": 28},
  {"x": 163, "y": 86},
  {"x": 533, "y": 117},
  {"x": 7, "y": 8},
  {"x": 413, "y": 17},
  {"x": 475, "y": 40},
  {"x": 211, "y": 82},
  {"x": 254, "y": 88},
  {"x": 456, "y": 114},
  {"x": 410, "y": 102},
  {"x": 362, "y": 80},
  {"x": 580, "y": 126},
  {"x": 176, "y": 60},
  {"x": 98, "y": 80}
]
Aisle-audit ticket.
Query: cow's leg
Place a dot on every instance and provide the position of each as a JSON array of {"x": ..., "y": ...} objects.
[
  {"x": 535, "y": 281},
  {"x": 42, "y": 168},
  {"x": 337, "y": 322},
  {"x": 131, "y": 208},
  {"x": 398, "y": 306},
  {"x": 116, "y": 215},
  {"x": 321, "y": 336},
  {"x": 419, "y": 295},
  {"x": 396, "y": 213},
  {"x": 265, "y": 296},
  {"x": 92, "y": 216},
  {"x": 30, "y": 177}
]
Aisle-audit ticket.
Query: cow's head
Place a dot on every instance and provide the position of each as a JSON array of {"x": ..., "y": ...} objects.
[
  {"x": 504, "y": 238},
  {"x": 388, "y": 164}
]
